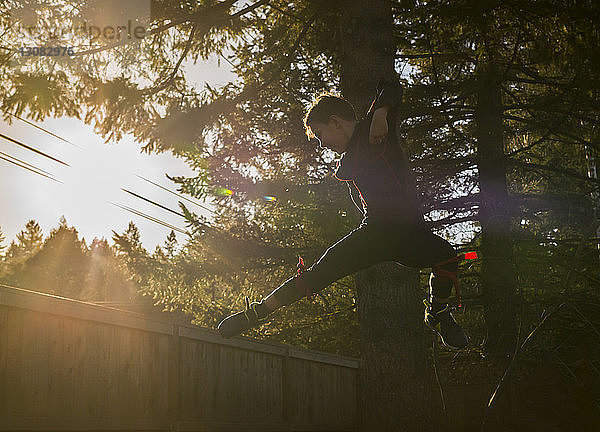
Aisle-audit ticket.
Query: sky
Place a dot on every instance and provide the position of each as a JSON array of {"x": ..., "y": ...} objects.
[{"x": 96, "y": 174}]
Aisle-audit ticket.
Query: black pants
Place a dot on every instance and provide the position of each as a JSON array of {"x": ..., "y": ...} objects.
[{"x": 373, "y": 243}]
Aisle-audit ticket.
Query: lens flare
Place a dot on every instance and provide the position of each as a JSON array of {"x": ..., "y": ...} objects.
[
  {"x": 270, "y": 198},
  {"x": 223, "y": 191}
]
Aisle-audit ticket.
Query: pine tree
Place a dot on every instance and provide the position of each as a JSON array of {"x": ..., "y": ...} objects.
[
  {"x": 30, "y": 239},
  {"x": 394, "y": 389},
  {"x": 2, "y": 257},
  {"x": 106, "y": 281},
  {"x": 170, "y": 245},
  {"x": 26, "y": 245},
  {"x": 499, "y": 94},
  {"x": 129, "y": 247},
  {"x": 59, "y": 266},
  {"x": 2, "y": 238}
]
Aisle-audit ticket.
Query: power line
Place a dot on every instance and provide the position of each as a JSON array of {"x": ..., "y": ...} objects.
[
  {"x": 195, "y": 222},
  {"x": 33, "y": 149},
  {"x": 151, "y": 218},
  {"x": 153, "y": 202},
  {"x": 26, "y": 163},
  {"x": 45, "y": 130},
  {"x": 27, "y": 168},
  {"x": 67, "y": 141},
  {"x": 177, "y": 195},
  {"x": 40, "y": 172},
  {"x": 192, "y": 220}
]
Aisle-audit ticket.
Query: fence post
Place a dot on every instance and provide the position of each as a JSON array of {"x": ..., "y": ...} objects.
[
  {"x": 174, "y": 361},
  {"x": 285, "y": 390}
]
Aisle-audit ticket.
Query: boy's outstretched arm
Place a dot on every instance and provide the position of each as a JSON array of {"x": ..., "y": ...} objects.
[
  {"x": 379, "y": 125},
  {"x": 389, "y": 96}
]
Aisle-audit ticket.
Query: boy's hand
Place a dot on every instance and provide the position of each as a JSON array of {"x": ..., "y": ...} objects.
[{"x": 379, "y": 126}]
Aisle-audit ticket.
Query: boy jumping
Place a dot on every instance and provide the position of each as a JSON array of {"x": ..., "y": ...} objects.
[{"x": 393, "y": 228}]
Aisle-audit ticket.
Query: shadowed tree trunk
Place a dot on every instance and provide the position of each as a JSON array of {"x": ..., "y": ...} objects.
[
  {"x": 393, "y": 376},
  {"x": 497, "y": 267},
  {"x": 498, "y": 272},
  {"x": 394, "y": 380}
]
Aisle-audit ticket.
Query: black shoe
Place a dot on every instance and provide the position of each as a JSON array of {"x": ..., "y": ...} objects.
[
  {"x": 240, "y": 322},
  {"x": 442, "y": 322}
]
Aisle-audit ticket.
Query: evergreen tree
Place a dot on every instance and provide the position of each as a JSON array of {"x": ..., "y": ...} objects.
[
  {"x": 129, "y": 247},
  {"x": 170, "y": 245},
  {"x": 514, "y": 94},
  {"x": 27, "y": 243},
  {"x": 105, "y": 280},
  {"x": 29, "y": 239},
  {"x": 59, "y": 266},
  {"x": 395, "y": 390},
  {"x": 2, "y": 258},
  {"x": 2, "y": 238},
  {"x": 494, "y": 93}
]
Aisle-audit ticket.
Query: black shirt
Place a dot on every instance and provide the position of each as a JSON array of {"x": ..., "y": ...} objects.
[{"x": 381, "y": 172}]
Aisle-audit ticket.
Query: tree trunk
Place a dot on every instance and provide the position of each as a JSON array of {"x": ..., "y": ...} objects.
[
  {"x": 393, "y": 377},
  {"x": 394, "y": 381},
  {"x": 591, "y": 159},
  {"x": 498, "y": 270}
]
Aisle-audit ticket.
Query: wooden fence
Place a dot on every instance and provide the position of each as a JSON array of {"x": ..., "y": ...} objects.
[{"x": 73, "y": 366}]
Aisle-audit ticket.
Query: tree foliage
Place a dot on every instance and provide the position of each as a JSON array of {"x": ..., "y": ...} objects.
[{"x": 64, "y": 265}]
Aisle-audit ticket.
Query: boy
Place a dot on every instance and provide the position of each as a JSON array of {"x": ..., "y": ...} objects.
[{"x": 393, "y": 228}]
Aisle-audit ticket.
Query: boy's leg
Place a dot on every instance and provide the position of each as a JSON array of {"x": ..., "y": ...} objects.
[
  {"x": 426, "y": 250},
  {"x": 431, "y": 250},
  {"x": 360, "y": 249}
]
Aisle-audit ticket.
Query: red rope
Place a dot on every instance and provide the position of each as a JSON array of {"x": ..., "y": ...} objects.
[
  {"x": 437, "y": 270},
  {"x": 302, "y": 286}
]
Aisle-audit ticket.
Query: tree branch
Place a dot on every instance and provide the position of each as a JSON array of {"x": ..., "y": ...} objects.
[
  {"x": 451, "y": 221},
  {"x": 166, "y": 83},
  {"x": 511, "y": 366},
  {"x": 215, "y": 108},
  {"x": 250, "y": 8},
  {"x": 564, "y": 171},
  {"x": 530, "y": 146},
  {"x": 194, "y": 18},
  {"x": 534, "y": 123}
]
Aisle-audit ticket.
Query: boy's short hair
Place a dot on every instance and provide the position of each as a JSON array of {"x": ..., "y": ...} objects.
[{"x": 324, "y": 107}]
